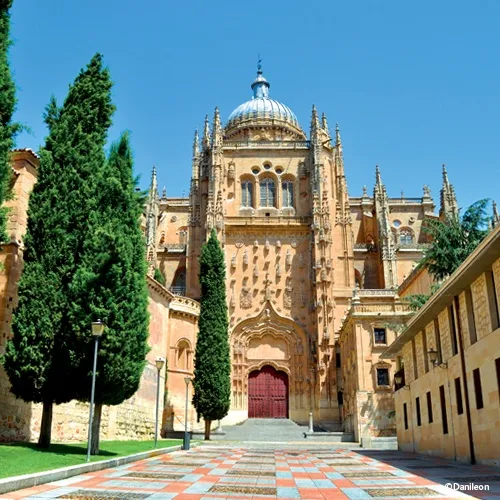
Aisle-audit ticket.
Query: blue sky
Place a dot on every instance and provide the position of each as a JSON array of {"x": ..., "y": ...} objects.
[{"x": 412, "y": 84}]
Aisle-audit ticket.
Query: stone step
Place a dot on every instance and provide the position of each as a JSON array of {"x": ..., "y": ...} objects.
[{"x": 275, "y": 431}]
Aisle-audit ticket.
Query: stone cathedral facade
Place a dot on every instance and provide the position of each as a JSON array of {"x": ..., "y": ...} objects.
[
  {"x": 314, "y": 278},
  {"x": 311, "y": 271}
]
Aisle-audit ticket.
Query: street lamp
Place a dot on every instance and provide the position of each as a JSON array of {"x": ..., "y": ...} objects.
[
  {"x": 186, "y": 435},
  {"x": 398, "y": 379},
  {"x": 433, "y": 355},
  {"x": 97, "y": 331},
  {"x": 159, "y": 365},
  {"x": 434, "y": 359}
]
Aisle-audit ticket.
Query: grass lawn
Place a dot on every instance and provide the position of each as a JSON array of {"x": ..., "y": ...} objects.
[{"x": 25, "y": 458}]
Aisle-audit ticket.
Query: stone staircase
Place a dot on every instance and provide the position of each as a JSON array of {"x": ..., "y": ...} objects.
[{"x": 277, "y": 431}]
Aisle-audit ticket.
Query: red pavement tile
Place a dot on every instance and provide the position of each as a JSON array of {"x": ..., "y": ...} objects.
[
  {"x": 334, "y": 494},
  {"x": 311, "y": 493},
  {"x": 285, "y": 482},
  {"x": 344, "y": 483}
]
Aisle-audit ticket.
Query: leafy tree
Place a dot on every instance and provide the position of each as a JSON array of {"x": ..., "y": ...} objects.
[
  {"x": 158, "y": 276},
  {"x": 43, "y": 352},
  {"x": 212, "y": 370},
  {"x": 8, "y": 129},
  {"x": 110, "y": 284},
  {"x": 417, "y": 300},
  {"x": 453, "y": 239}
]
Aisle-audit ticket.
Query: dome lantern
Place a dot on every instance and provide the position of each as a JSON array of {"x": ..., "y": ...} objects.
[{"x": 263, "y": 112}]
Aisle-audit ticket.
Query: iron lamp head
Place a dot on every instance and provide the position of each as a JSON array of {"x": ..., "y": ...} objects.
[
  {"x": 433, "y": 356},
  {"x": 187, "y": 380},
  {"x": 159, "y": 363},
  {"x": 398, "y": 379},
  {"x": 97, "y": 328}
]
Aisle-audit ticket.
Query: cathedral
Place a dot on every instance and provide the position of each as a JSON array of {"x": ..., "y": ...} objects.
[
  {"x": 301, "y": 255},
  {"x": 315, "y": 281}
]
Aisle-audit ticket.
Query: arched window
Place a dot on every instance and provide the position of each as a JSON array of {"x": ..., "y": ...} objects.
[
  {"x": 183, "y": 355},
  {"x": 247, "y": 194},
  {"x": 183, "y": 235},
  {"x": 267, "y": 193},
  {"x": 287, "y": 188},
  {"x": 405, "y": 237},
  {"x": 179, "y": 283},
  {"x": 357, "y": 278}
]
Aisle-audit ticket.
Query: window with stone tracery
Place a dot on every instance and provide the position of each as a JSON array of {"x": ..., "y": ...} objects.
[
  {"x": 267, "y": 193},
  {"x": 405, "y": 237},
  {"x": 287, "y": 190},
  {"x": 247, "y": 194},
  {"x": 183, "y": 235}
]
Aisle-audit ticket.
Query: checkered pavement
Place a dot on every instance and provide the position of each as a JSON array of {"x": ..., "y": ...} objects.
[{"x": 217, "y": 473}]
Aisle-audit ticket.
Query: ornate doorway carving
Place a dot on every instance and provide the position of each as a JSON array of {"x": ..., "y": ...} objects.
[{"x": 267, "y": 393}]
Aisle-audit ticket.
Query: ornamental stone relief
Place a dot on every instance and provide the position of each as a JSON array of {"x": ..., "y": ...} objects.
[
  {"x": 288, "y": 295},
  {"x": 245, "y": 296}
]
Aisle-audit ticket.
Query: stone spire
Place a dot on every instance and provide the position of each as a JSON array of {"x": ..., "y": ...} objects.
[
  {"x": 315, "y": 137},
  {"x": 324, "y": 123},
  {"x": 152, "y": 210},
  {"x": 153, "y": 187},
  {"x": 387, "y": 243},
  {"x": 338, "y": 140},
  {"x": 379, "y": 186},
  {"x": 495, "y": 220},
  {"x": 315, "y": 126},
  {"x": 206, "y": 135},
  {"x": 196, "y": 144},
  {"x": 195, "y": 173},
  {"x": 216, "y": 130},
  {"x": 449, "y": 206}
]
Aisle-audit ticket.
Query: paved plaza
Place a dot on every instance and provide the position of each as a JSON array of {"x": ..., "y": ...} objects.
[{"x": 292, "y": 472}]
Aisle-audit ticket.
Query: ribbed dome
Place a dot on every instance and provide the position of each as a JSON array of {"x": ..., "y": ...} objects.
[{"x": 262, "y": 109}]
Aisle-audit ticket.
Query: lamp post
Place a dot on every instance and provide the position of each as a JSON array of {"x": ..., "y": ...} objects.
[
  {"x": 186, "y": 435},
  {"x": 311, "y": 418},
  {"x": 159, "y": 365},
  {"x": 97, "y": 330}
]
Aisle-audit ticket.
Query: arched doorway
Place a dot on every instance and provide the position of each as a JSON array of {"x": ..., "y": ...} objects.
[{"x": 267, "y": 393}]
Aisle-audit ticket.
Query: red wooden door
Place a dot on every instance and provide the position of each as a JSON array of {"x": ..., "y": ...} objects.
[{"x": 268, "y": 393}]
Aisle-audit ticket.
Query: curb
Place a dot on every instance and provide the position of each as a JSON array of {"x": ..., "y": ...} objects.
[{"x": 29, "y": 480}]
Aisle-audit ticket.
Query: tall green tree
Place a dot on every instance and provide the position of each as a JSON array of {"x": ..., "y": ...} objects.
[
  {"x": 454, "y": 239},
  {"x": 212, "y": 368},
  {"x": 110, "y": 284},
  {"x": 44, "y": 350},
  {"x": 8, "y": 129}
]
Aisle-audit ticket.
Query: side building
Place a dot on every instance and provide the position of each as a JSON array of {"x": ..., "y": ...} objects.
[
  {"x": 448, "y": 391},
  {"x": 173, "y": 321}
]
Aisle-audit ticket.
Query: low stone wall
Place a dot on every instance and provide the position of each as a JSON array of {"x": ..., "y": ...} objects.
[{"x": 379, "y": 443}]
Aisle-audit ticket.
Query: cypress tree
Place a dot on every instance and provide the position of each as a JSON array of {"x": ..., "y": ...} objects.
[
  {"x": 110, "y": 284},
  {"x": 212, "y": 384},
  {"x": 43, "y": 352},
  {"x": 8, "y": 129}
]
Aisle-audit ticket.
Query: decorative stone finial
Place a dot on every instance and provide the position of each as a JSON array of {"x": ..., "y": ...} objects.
[
  {"x": 378, "y": 178},
  {"x": 324, "y": 122},
  {"x": 338, "y": 140},
  {"x": 196, "y": 144},
  {"x": 206, "y": 134}
]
